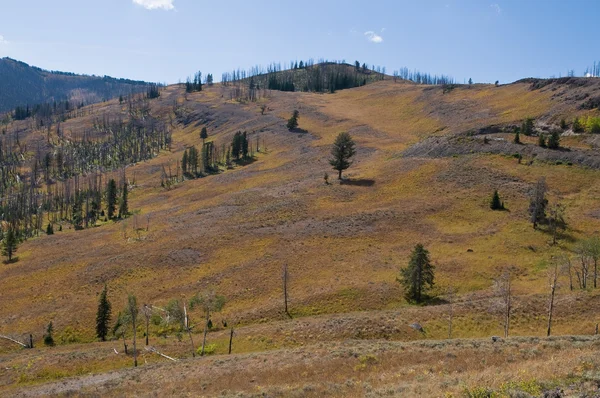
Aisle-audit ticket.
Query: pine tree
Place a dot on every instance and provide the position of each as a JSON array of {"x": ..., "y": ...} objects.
[
  {"x": 77, "y": 217},
  {"x": 203, "y": 134},
  {"x": 184, "y": 162},
  {"x": 554, "y": 140},
  {"x": 103, "y": 315},
  {"x": 49, "y": 229},
  {"x": 418, "y": 277},
  {"x": 245, "y": 146},
  {"x": 48, "y": 339},
  {"x": 111, "y": 198},
  {"x": 542, "y": 140},
  {"x": 527, "y": 126},
  {"x": 342, "y": 151},
  {"x": 495, "y": 203},
  {"x": 577, "y": 126},
  {"x": 124, "y": 207},
  {"x": 517, "y": 139},
  {"x": 293, "y": 121},
  {"x": 9, "y": 244}
]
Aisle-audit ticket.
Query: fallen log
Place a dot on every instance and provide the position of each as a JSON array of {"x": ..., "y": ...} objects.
[
  {"x": 154, "y": 350},
  {"x": 14, "y": 341}
]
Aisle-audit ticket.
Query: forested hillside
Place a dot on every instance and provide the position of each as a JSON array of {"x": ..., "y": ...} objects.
[{"x": 22, "y": 85}]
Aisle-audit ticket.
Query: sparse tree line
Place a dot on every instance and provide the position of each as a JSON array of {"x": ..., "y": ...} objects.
[
  {"x": 422, "y": 78},
  {"x": 325, "y": 76},
  {"x": 589, "y": 124},
  {"x": 212, "y": 157},
  {"x": 175, "y": 318}
]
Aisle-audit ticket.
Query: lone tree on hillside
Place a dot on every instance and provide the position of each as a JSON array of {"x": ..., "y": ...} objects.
[
  {"x": 517, "y": 139},
  {"x": 293, "y": 121},
  {"x": 9, "y": 244},
  {"x": 418, "y": 276},
  {"x": 111, "y": 198},
  {"x": 496, "y": 203},
  {"x": 341, "y": 152},
  {"x": 209, "y": 301},
  {"x": 103, "y": 315},
  {"x": 203, "y": 134}
]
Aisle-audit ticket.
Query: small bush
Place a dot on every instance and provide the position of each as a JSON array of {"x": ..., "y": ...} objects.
[{"x": 209, "y": 349}]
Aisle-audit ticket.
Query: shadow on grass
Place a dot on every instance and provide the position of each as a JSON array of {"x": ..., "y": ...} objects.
[
  {"x": 245, "y": 162},
  {"x": 298, "y": 130},
  {"x": 362, "y": 182},
  {"x": 12, "y": 261}
]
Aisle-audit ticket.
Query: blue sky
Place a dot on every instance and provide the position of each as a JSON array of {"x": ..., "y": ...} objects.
[{"x": 167, "y": 40}]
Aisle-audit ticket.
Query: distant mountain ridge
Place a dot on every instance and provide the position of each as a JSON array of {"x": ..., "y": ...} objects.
[{"x": 22, "y": 84}]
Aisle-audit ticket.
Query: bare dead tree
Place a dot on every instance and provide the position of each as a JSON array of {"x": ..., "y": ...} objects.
[
  {"x": 230, "y": 340},
  {"x": 147, "y": 311},
  {"x": 552, "y": 279}
]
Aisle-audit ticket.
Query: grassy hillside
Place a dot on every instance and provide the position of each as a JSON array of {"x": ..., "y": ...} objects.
[
  {"x": 344, "y": 243},
  {"x": 23, "y": 85}
]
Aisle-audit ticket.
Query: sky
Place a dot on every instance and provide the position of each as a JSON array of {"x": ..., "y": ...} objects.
[{"x": 167, "y": 40}]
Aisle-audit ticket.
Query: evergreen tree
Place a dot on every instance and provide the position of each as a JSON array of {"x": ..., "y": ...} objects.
[
  {"x": 554, "y": 140},
  {"x": 245, "y": 145},
  {"x": 184, "y": 162},
  {"x": 563, "y": 124},
  {"x": 203, "y": 134},
  {"x": 111, "y": 198},
  {"x": 48, "y": 339},
  {"x": 542, "y": 140},
  {"x": 470, "y": 82},
  {"x": 341, "y": 152},
  {"x": 496, "y": 203},
  {"x": 527, "y": 126},
  {"x": 103, "y": 315},
  {"x": 76, "y": 216},
  {"x": 293, "y": 121},
  {"x": 49, "y": 229},
  {"x": 9, "y": 244},
  {"x": 517, "y": 139},
  {"x": 236, "y": 145},
  {"x": 577, "y": 126},
  {"x": 124, "y": 208},
  {"x": 418, "y": 276}
]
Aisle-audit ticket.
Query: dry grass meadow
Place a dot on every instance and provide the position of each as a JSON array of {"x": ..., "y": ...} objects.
[{"x": 344, "y": 245}]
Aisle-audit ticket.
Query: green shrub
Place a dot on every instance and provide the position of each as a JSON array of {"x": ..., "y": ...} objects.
[{"x": 209, "y": 349}]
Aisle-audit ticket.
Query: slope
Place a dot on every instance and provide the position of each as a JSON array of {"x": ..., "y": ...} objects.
[{"x": 343, "y": 243}]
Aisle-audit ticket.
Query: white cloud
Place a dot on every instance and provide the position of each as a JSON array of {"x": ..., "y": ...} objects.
[
  {"x": 3, "y": 40},
  {"x": 496, "y": 8},
  {"x": 373, "y": 37},
  {"x": 156, "y": 4}
]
